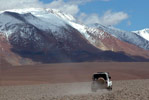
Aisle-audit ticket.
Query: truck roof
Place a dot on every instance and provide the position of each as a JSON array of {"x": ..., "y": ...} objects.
[{"x": 102, "y": 73}]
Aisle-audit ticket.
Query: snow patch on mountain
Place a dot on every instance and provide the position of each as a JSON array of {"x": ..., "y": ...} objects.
[
  {"x": 5, "y": 22},
  {"x": 143, "y": 33}
]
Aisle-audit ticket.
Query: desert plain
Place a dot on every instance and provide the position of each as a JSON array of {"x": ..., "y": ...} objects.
[{"x": 72, "y": 81}]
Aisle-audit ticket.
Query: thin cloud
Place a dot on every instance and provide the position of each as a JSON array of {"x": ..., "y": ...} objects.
[
  {"x": 71, "y": 7},
  {"x": 78, "y": 2},
  {"x": 109, "y": 18},
  {"x": 113, "y": 18},
  {"x": 13, "y": 4},
  {"x": 89, "y": 19},
  {"x": 67, "y": 7}
]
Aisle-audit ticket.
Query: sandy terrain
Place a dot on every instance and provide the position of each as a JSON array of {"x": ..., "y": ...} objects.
[
  {"x": 72, "y": 81},
  {"x": 122, "y": 90}
]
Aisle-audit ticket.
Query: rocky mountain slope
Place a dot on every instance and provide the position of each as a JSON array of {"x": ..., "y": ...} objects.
[
  {"x": 129, "y": 37},
  {"x": 49, "y": 35}
]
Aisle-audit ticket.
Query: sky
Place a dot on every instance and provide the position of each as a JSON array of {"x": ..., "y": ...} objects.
[{"x": 129, "y": 15}]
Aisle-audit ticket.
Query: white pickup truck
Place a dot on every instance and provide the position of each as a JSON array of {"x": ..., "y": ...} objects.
[{"x": 101, "y": 80}]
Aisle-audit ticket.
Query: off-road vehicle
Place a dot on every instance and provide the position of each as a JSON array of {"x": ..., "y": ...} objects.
[{"x": 101, "y": 80}]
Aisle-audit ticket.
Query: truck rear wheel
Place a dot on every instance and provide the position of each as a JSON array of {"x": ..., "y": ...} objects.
[{"x": 110, "y": 88}]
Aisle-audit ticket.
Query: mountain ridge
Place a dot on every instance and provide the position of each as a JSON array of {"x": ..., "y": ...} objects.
[{"x": 46, "y": 35}]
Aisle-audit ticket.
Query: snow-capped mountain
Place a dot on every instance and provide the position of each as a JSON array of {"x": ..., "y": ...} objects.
[
  {"x": 22, "y": 23},
  {"x": 43, "y": 35},
  {"x": 143, "y": 33},
  {"x": 40, "y": 18},
  {"x": 125, "y": 36},
  {"x": 44, "y": 19},
  {"x": 16, "y": 24},
  {"x": 49, "y": 35}
]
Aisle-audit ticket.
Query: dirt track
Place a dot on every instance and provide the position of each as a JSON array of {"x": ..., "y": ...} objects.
[{"x": 122, "y": 90}]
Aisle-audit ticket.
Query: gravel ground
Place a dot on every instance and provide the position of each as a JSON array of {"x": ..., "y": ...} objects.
[{"x": 122, "y": 90}]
